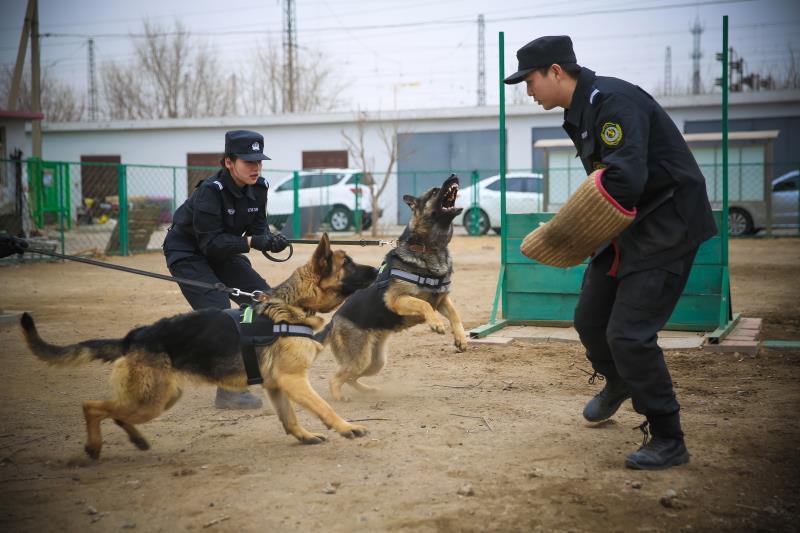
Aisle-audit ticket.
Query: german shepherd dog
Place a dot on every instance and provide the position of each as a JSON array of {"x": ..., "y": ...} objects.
[
  {"x": 396, "y": 301},
  {"x": 151, "y": 362}
]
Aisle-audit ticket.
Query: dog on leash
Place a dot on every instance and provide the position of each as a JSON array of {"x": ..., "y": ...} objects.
[
  {"x": 412, "y": 285},
  {"x": 151, "y": 362}
]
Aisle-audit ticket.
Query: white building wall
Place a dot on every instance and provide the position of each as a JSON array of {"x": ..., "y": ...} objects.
[{"x": 166, "y": 142}]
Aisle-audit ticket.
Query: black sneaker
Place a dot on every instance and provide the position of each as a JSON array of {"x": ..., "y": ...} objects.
[
  {"x": 227, "y": 399},
  {"x": 658, "y": 453},
  {"x": 606, "y": 402}
]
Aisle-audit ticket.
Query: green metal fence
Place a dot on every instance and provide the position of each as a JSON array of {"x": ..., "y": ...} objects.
[{"x": 120, "y": 209}]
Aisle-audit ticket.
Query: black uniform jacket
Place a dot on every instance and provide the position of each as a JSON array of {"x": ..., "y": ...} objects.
[
  {"x": 213, "y": 221},
  {"x": 618, "y": 126}
]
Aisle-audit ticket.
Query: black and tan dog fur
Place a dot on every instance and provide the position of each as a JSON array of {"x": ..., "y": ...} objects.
[
  {"x": 359, "y": 330},
  {"x": 151, "y": 362}
]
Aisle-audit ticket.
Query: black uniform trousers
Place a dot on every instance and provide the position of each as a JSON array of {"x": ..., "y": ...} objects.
[
  {"x": 618, "y": 321},
  {"x": 234, "y": 271}
]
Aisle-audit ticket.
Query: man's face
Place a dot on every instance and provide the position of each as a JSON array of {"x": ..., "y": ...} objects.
[
  {"x": 244, "y": 172},
  {"x": 543, "y": 88}
]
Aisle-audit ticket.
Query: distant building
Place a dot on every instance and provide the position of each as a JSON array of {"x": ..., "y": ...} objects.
[{"x": 431, "y": 142}]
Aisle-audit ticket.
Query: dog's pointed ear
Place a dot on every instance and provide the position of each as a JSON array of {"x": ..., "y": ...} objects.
[
  {"x": 410, "y": 200},
  {"x": 322, "y": 259}
]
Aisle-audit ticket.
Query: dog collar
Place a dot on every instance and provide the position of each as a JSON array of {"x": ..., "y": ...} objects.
[{"x": 420, "y": 248}]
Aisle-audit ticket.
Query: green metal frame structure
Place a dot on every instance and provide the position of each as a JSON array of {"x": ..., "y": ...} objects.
[{"x": 532, "y": 293}]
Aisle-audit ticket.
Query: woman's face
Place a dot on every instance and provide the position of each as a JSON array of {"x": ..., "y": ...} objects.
[{"x": 243, "y": 172}]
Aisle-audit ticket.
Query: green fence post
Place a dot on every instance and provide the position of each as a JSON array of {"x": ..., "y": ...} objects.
[
  {"x": 358, "y": 212},
  {"x": 296, "y": 204},
  {"x": 724, "y": 141},
  {"x": 62, "y": 200},
  {"x": 474, "y": 212},
  {"x": 503, "y": 227},
  {"x": 123, "y": 210}
]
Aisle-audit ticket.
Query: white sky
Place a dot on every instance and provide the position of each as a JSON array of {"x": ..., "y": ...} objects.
[{"x": 429, "y": 57}]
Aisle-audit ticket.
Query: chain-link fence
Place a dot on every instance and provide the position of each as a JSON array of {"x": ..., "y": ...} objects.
[{"x": 118, "y": 209}]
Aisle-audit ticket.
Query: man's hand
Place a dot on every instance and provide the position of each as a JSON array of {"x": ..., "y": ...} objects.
[
  {"x": 269, "y": 242},
  {"x": 12, "y": 245}
]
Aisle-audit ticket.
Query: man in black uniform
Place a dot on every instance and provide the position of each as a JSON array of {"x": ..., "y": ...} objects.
[
  {"x": 224, "y": 217},
  {"x": 632, "y": 284}
]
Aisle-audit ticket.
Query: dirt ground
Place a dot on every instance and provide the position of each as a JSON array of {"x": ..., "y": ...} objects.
[{"x": 505, "y": 420}]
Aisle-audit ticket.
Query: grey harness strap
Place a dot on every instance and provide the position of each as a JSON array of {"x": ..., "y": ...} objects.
[
  {"x": 258, "y": 330},
  {"x": 422, "y": 281}
]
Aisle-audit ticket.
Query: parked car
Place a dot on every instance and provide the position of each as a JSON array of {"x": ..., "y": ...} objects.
[
  {"x": 523, "y": 195},
  {"x": 333, "y": 189},
  {"x": 750, "y": 217}
]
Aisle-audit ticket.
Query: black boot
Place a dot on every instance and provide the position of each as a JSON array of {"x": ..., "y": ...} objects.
[
  {"x": 659, "y": 453},
  {"x": 227, "y": 399},
  {"x": 606, "y": 402}
]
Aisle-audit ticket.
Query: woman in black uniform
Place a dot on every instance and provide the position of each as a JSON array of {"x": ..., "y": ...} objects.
[{"x": 224, "y": 218}]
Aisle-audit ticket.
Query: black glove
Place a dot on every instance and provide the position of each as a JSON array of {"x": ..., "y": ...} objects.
[
  {"x": 12, "y": 245},
  {"x": 269, "y": 242}
]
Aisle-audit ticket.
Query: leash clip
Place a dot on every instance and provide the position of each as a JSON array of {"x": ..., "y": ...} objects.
[{"x": 391, "y": 242}]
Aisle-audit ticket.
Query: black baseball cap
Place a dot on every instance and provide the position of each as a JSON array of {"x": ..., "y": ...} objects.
[
  {"x": 542, "y": 52},
  {"x": 245, "y": 145}
]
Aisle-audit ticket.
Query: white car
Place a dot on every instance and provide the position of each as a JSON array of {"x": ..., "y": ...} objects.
[
  {"x": 523, "y": 195},
  {"x": 333, "y": 189}
]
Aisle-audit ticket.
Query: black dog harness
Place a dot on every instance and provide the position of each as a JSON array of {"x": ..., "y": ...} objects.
[
  {"x": 427, "y": 283},
  {"x": 255, "y": 329}
]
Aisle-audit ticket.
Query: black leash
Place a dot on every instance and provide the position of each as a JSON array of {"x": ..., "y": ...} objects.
[
  {"x": 183, "y": 281},
  {"x": 360, "y": 242}
]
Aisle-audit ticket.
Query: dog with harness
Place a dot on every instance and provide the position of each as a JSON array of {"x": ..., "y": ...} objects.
[
  {"x": 269, "y": 343},
  {"x": 412, "y": 285}
]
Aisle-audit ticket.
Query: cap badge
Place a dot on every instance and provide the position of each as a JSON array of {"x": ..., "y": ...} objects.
[{"x": 256, "y": 147}]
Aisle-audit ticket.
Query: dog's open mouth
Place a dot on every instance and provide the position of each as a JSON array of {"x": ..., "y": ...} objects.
[{"x": 448, "y": 195}]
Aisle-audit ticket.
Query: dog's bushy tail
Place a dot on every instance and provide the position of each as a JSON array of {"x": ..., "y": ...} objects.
[
  {"x": 322, "y": 336},
  {"x": 74, "y": 354}
]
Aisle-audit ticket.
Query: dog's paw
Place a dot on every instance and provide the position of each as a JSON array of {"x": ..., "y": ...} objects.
[
  {"x": 140, "y": 443},
  {"x": 312, "y": 438},
  {"x": 461, "y": 345},
  {"x": 353, "y": 431},
  {"x": 438, "y": 327},
  {"x": 92, "y": 452}
]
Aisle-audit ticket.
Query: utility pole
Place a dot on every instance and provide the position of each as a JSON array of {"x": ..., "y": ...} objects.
[
  {"x": 289, "y": 55},
  {"x": 36, "y": 86},
  {"x": 696, "y": 30},
  {"x": 668, "y": 72},
  {"x": 16, "y": 79},
  {"x": 92, "y": 83},
  {"x": 481, "y": 61}
]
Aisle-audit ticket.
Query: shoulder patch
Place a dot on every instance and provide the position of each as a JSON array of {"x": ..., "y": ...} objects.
[
  {"x": 218, "y": 184},
  {"x": 611, "y": 133},
  {"x": 591, "y": 96}
]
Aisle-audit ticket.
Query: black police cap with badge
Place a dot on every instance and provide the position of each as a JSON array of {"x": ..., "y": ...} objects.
[
  {"x": 542, "y": 52},
  {"x": 245, "y": 145}
]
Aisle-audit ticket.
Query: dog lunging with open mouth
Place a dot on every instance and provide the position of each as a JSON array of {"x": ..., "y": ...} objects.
[
  {"x": 412, "y": 285},
  {"x": 151, "y": 362}
]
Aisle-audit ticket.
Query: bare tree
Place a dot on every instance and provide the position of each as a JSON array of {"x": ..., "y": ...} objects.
[
  {"x": 357, "y": 148},
  {"x": 315, "y": 86},
  {"x": 174, "y": 76},
  {"x": 60, "y": 103}
]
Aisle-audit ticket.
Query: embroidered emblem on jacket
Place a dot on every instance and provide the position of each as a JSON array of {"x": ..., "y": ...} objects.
[{"x": 611, "y": 133}]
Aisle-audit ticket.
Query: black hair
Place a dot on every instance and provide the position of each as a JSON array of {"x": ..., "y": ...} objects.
[
  {"x": 570, "y": 69},
  {"x": 232, "y": 157}
]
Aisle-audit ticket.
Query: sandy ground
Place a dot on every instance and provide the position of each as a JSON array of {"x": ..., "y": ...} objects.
[{"x": 505, "y": 420}]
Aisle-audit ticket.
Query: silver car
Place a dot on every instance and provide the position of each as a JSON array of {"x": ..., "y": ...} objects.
[{"x": 745, "y": 218}]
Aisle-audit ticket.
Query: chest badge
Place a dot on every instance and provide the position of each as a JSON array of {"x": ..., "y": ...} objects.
[
  {"x": 611, "y": 133},
  {"x": 231, "y": 211},
  {"x": 584, "y": 135}
]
